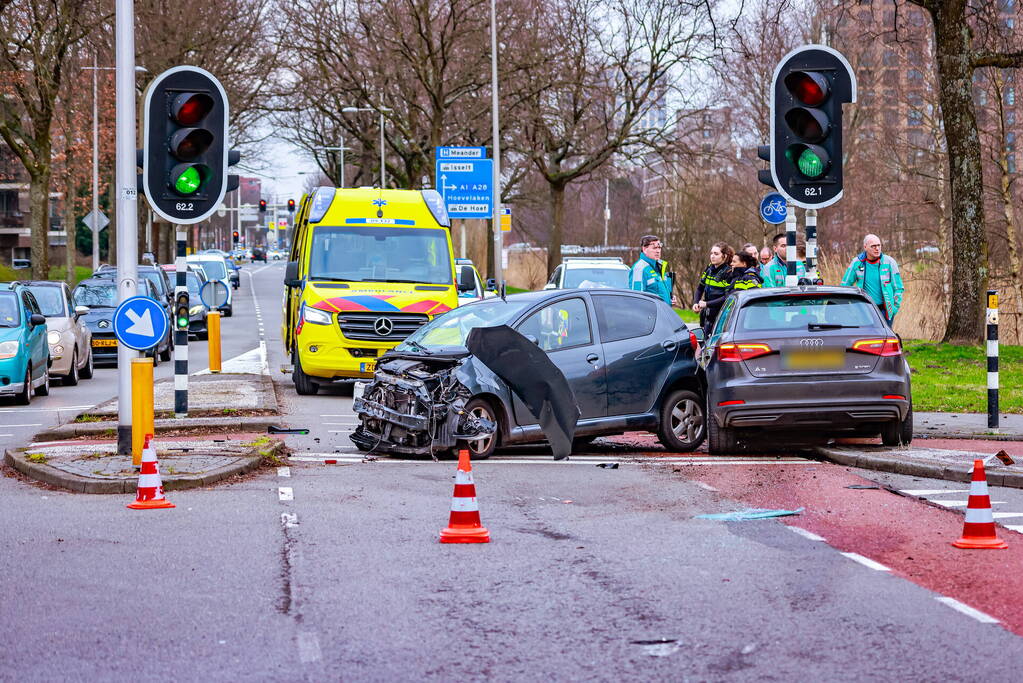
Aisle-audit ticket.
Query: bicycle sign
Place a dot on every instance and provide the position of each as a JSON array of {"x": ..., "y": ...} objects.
[{"x": 773, "y": 208}]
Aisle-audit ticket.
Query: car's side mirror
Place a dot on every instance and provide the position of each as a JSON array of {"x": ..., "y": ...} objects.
[
  {"x": 466, "y": 279},
  {"x": 491, "y": 285},
  {"x": 291, "y": 274},
  {"x": 532, "y": 339},
  {"x": 37, "y": 319},
  {"x": 697, "y": 332},
  {"x": 81, "y": 310}
]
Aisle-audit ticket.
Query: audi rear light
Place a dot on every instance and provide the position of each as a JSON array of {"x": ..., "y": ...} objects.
[
  {"x": 693, "y": 341},
  {"x": 879, "y": 347},
  {"x": 735, "y": 352}
]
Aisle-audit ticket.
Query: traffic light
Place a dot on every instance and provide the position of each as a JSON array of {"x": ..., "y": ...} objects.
[
  {"x": 186, "y": 153},
  {"x": 181, "y": 309},
  {"x": 810, "y": 85},
  {"x": 291, "y": 206},
  {"x": 234, "y": 237},
  {"x": 262, "y": 206}
]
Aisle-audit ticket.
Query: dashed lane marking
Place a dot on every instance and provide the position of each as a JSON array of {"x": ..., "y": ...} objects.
[
  {"x": 45, "y": 410},
  {"x": 289, "y": 519},
  {"x": 967, "y": 610},
  {"x": 1006, "y": 515},
  {"x": 960, "y": 503},
  {"x": 6, "y": 434},
  {"x": 867, "y": 562},
  {"x": 34, "y": 424},
  {"x": 285, "y": 493},
  {"x": 931, "y": 492},
  {"x": 283, "y": 471},
  {"x": 806, "y": 534}
]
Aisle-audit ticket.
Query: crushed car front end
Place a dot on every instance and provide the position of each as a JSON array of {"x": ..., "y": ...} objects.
[{"x": 415, "y": 405}]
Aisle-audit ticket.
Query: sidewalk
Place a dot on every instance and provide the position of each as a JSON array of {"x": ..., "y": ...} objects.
[
  {"x": 966, "y": 425},
  {"x": 224, "y": 435}
]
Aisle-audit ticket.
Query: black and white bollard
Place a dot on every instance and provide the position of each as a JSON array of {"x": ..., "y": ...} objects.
[
  {"x": 181, "y": 332},
  {"x": 791, "y": 279},
  {"x": 992, "y": 359},
  {"x": 811, "y": 245}
]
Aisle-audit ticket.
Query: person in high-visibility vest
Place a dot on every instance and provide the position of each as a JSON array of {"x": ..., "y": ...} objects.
[
  {"x": 714, "y": 285},
  {"x": 650, "y": 273}
]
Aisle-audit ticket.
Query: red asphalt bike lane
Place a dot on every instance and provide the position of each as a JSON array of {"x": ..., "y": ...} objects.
[{"x": 908, "y": 536}]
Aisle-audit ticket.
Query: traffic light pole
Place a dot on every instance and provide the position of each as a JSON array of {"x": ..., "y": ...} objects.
[
  {"x": 496, "y": 222},
  {"x": 811, "y": 245},
  {"x": 791, "y": 277},
  {"x": 180, "y": 335},
  {"x": 127, "y": 206}
]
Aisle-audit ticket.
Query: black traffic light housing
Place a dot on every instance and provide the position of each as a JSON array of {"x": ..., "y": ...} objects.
[
  {"x": 262, "y": 206},
  {"x": 181, "y": 310},
  {"x": 186, "y": 153},
  {"x": 810, "y": 85},
  {"x": 291, "y": 206},
  {"x": 234, "y": 237}
]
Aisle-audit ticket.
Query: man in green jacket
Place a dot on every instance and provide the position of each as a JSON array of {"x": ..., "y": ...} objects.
[
  {"x": 774, "y": 271},
  {"x": 878, "y": 276},
  {"x": 650, "y": 273}
]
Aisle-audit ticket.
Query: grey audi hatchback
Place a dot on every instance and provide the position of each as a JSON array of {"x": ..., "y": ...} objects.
[{"x": 804, "y": 363}]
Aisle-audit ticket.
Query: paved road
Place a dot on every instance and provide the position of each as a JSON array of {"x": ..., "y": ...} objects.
[
  {"x": 19, "y": 423},
  {"x": 324, "y": 572}
]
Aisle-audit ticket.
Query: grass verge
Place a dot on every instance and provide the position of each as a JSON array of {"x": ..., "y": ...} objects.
[{"x": 950, "y": 378}]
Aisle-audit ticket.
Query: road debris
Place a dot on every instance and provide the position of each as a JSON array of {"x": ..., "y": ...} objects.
[{"x": 749, "y": 514}]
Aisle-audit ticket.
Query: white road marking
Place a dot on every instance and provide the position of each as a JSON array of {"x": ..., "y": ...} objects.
[
  {"x": 283, "y": 471},
  {"x": 705, "y": 486},
  {"x": 962, "y": 503},
  {"x": 308, "y": 647},
  {"x": 289, "y": 519},
  {"x": 45, "y": 410},
  {"x": 285, "y": 493},
  {"x": 590, "y": 461},
  {"x": 6, "y": 434},
  {"x": 1005, "y": 515},
  {"x": 967, "y": 610},
  {"x": 1015, "y": 527},
  {"x": 932, "y": 492},
  {"x": 340, "y": 431},
  {"x": 867, "y": 562},
  {"x": 35, "y": 424},
  {"x": 249, "y": 363},
  {"x": 805, "y": 534}
]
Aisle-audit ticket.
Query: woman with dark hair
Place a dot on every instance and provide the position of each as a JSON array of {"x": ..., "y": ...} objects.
[
  {"x": 746, "y": 272},
  {"x": 714, "y": 285}
]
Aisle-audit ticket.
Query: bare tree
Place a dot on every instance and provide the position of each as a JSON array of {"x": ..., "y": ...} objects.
[{"x": 37, "y": 37}]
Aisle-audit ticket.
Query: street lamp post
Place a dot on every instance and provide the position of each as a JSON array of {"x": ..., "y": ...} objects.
[
  {"x": 340, "y": 148},
  {"x": 381, "y": 110}
]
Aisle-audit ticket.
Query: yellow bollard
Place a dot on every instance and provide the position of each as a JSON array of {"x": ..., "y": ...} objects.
[
  {"x": 141, "y": 406},
  {"x": 213, "y": 337}
]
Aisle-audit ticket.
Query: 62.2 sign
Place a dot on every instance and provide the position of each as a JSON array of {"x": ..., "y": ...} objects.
[{"x": 184, "y": 206}]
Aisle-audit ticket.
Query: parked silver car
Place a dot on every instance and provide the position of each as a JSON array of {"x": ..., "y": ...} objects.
[{"x": 67, "y": 334}]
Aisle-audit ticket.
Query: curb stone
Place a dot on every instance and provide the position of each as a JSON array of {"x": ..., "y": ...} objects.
[
  {"x": 916, "y": 468},
  {"x": 172, "y": 482}
]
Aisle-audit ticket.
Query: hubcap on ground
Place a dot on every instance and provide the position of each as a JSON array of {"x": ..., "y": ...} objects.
[
  {"x": 686, "y": 420},
  {"x": 481, "y": 445}
]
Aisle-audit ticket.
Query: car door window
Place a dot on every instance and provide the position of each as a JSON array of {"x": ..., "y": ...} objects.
[
  {"x": 561, "y": 325},
  {"x": 723, "y": 317},
  {"x": 624, "y": 317}
]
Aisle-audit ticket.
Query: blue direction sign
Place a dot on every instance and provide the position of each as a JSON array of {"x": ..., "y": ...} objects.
[
  {"x": 140, "y": 323},
  {"x": 773, "y": 208},
  {"x": 465, "y": 183}
]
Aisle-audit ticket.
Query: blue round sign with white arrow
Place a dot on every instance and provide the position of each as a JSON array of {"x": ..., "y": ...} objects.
[
  {"x": 140, "y": 323},
  {"x": 773, "y": 207}
]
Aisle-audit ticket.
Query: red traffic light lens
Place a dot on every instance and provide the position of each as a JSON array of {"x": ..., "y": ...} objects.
[
  {"x": 809, "y": 124},
  {"x": 190, "y": 108},
  {"x": 809, "y": 88}
]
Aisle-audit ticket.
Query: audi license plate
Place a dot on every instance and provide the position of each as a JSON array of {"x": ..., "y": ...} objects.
[
  {"x": 825, "y": 359},
  {"x": 368, "y": 367},
  {"x": 104, "y": 342}
]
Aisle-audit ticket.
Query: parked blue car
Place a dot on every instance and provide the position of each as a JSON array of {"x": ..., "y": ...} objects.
[{"x": 24, "y": 352}]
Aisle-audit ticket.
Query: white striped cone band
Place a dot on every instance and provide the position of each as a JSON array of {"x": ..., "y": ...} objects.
[
  {"x": 463, "y": 477},
  {"x": 979, "y": 516},
  {"x": 150, "y": 481},
  {"x": 464, "y": 505},
  {"x": 978, "y": 488}
]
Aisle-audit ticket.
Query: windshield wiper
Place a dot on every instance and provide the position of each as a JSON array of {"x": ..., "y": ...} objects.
[
  {"x": 417, "y": 346},
  {"x": 828, "y": 326},
  {"x": 324, "y": 278}
]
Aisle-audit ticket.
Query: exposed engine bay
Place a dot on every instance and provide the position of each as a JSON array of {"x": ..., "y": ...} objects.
[{"x": 416, "y": 405}]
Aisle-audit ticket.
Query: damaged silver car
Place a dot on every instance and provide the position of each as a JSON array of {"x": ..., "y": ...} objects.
[{"x": 553, "y": 366}]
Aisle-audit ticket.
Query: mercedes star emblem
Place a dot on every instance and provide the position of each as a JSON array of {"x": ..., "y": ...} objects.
[{"x": 383, "y": 327}]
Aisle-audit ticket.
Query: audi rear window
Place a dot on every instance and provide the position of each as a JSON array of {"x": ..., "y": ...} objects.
[{"x": 801, "y": 313}]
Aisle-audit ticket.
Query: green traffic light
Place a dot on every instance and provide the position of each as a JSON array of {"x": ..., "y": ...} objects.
[
  {"x": 182, "y": 322},
  {"x": 188, "y": 182},
  {"x": 810, "y": 165}
]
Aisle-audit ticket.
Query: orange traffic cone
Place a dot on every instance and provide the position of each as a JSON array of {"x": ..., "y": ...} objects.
[
  {"x": 464, "y": 525},
  {"x": 150, "y": 488},
  {"x": 979, "y": 528}
]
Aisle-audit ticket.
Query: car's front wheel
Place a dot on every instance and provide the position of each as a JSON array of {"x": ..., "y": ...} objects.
[
  {"x": 24, "y": 397},
  {"x": 87, "y": 369},
  {"x": 682, "y": 427},
  {"x": 481, "y": 449},
  {"x": 71, "y": 378},
  {"x": 44, "y": 388},
  {"x": 898, "y": 432}
]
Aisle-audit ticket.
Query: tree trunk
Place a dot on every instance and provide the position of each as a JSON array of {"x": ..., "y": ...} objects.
[
  {"x": 557, "y": 226},
  {"x": 39, "y": 222},
  {"x": 969, "y": 239},
  {"x": 70, "y": 221}
]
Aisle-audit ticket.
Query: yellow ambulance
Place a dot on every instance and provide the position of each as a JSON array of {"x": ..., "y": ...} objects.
[{"x": 367, "y": 268}]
